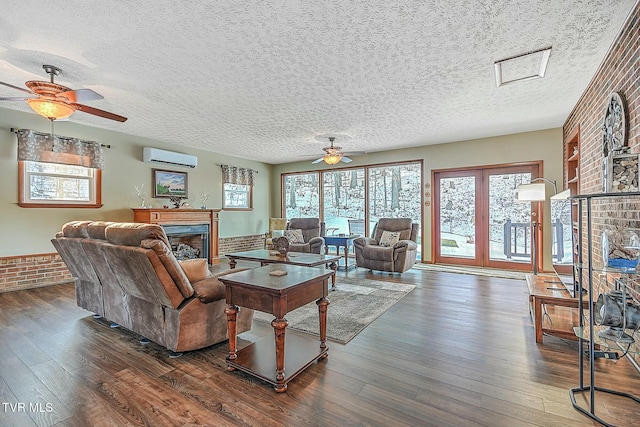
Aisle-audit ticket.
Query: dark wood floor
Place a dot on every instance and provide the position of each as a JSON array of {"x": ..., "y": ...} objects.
[{"x": 459, "y": 350}]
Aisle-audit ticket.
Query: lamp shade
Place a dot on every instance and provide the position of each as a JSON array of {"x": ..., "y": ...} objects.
[
  {"x": 50, "y": 108},
  {"x": 563, "y": 195},
  {"x": 531, "y": 192}
]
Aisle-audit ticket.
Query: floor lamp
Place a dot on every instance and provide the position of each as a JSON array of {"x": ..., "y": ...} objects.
[{"x": 534, "y": 193}]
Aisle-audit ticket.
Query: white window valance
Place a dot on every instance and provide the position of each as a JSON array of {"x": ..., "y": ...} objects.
[
  {"x": 236, "y": 175},
  {"x": 44, "y": 147}
]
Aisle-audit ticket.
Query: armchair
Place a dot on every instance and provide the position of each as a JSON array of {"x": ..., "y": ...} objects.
[
  {"x": 311, "y": 240},
  {"x": 392, "y": 248}
]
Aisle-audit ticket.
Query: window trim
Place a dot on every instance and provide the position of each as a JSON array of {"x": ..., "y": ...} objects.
[
  {"x": 237, "y": 208},
  {"x": 97, "y": 178}
]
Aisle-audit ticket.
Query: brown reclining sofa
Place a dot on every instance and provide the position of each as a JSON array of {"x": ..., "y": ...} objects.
[{"x": 126, "y": 273}]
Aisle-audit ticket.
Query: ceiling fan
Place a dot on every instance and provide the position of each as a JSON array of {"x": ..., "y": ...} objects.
[
  {"x": 334, "y": 154},
  {"x": 55, "y": 101}
]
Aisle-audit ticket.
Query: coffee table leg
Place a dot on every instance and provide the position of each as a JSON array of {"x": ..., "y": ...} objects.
[
  {"x": 334, "y": 267},
  {"x": 279, "y": 327},
  {"x": 322, "y": 312},
  {"x": 346, "y": 257},
  {"x": 231, "y": 311}
]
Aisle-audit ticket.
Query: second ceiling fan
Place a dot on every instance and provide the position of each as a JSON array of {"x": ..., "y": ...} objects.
[{"x": 333, "y": 154}]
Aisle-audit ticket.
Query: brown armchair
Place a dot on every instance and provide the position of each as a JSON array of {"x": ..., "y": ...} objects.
[
  {"x": 392, "y": 248},
  {"x": 312, "y": 231}
]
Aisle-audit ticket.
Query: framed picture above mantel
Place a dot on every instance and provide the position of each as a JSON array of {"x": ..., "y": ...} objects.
[{"x": 167, "y": 183}]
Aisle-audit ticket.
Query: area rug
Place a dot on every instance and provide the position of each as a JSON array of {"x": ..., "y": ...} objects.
[
  {"x": 478, "y": 271},
  {"x": 352, "y": 307}
]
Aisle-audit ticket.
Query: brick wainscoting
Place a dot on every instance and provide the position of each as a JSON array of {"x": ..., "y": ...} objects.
[
  {"x": 242, "y": 243},
  {"x": 32, "y": 271}
]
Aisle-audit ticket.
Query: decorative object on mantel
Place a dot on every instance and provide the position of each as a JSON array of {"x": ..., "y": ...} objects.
[
  {"x": 281, "y": 244},
  {"x": 139, "y": 195},
  {"x": 177, "y": 201},
  {"x": 620, "y": 168},
  {"x": 203, "y": 200}
]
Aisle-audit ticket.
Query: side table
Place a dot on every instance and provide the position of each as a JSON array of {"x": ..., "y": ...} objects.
[
  {"x": 259, "y": 290},
  {"x": 340, "y": 241}
]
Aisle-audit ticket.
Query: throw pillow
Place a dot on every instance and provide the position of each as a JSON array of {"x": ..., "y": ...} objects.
[
  {"x": 277, "y": 233},
  {"x": 389, "y": 238},
  {"x": 294, "y": 236},
  {"x": 195, "y": 269}
]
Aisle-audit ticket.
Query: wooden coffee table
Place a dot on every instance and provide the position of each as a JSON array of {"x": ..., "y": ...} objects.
[
  {"x": 264, "y": 257},
  {"x": 257, "y": 289}
]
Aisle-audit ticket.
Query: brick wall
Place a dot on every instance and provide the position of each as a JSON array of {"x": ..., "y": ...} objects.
[
  {"x": 241, "y": 243},
  {"x": 32, "y": 271},
  {"x": 619, "y": 72}
]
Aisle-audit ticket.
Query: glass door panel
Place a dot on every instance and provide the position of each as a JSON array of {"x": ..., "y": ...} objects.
[
  {"x": 301, "y": 196},
  {"x": 477, "y": 220},
  {"x": 457, "y": 235},
  {"x": 509, "y": 221},
  {"x": 344, "y": 199}
]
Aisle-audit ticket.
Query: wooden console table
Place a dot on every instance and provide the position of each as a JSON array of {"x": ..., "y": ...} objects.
[
  {"x": 182, "y": 216},
  {"x": 548, "y": 290},
  {"x": 278, "y": 295}
]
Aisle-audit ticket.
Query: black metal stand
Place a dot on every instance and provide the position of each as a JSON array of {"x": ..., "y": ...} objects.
[{"x": 591, "y": 387}]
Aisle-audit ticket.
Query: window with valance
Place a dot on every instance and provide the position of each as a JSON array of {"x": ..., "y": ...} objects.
[
  {"x": 58, "y": 171},
  {"x": 237, "y": 187}
]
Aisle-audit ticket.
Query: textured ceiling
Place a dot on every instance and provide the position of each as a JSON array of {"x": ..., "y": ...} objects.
[{"x": 260, "y": 80}]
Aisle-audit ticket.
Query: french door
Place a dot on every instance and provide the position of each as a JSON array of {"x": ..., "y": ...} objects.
[{"x": 477, "y": 220}]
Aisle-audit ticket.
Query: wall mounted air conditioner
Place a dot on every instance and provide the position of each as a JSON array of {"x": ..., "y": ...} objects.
[{"x": 155, "y": 155}]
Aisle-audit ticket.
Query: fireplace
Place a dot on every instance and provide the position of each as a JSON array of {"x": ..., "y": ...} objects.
[
  {"x": 190, "y": 231},
  {"x": 188, "y": 241}
]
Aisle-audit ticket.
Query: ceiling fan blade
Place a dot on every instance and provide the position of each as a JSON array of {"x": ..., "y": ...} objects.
[
  {"x": 81, "y": 95},
  {"x": 16, "y": 87},
  {"x": 97, "y": 112},
  {"x": 317, "y": 161},
  {"x": 14, "y": 98},
  {"x": 346, "y": 159}
]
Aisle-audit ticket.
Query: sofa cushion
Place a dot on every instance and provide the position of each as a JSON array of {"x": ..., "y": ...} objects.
[
  {"x": 171, "y": 264},
  {"x": 195, "y": 269},
  {"x": 76, "y": 229},
  {"x": 96, "y": 229},
  {"x": 209, "y": 290},
  {"x": 132, "y": 233}
]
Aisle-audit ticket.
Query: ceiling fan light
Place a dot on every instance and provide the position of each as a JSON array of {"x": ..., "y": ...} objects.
[
  {"x": 332, "y": 159},
  {"x": 50, "y": 108}
]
